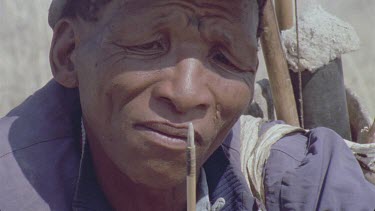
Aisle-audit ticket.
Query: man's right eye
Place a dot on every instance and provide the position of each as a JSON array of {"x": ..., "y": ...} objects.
[{"x": 148, "y": 50}]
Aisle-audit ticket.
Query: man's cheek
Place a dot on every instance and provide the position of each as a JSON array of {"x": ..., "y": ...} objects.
[{"x": 234, "y": 102}]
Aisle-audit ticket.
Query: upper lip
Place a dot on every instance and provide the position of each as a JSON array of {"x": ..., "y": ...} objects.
[{"x": 179, "y": 131}]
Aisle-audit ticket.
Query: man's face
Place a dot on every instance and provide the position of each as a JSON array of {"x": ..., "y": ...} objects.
[{"x": 150, "y": 67}]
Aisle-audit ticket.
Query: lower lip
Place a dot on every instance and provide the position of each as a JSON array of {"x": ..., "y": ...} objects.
[{"x": 162, "y": 139}]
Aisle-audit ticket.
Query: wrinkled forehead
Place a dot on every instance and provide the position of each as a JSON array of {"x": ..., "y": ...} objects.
[
  {"x": 242, "y": 13},
  {"x": 235, "y": 9}
]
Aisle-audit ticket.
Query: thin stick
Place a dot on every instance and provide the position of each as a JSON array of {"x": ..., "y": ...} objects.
[
  {"x": 300, "y": 100},
  {"x": 191, "y": 170}
]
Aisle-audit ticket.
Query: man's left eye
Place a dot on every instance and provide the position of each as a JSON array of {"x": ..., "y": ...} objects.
[{"x": 222, "y": 61}]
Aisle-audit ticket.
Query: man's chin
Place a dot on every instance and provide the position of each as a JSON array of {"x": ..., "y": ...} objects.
[{"x": 160, "y": 178}]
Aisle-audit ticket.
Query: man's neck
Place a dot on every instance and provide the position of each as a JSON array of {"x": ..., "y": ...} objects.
[{"x": 123, "y": 194}]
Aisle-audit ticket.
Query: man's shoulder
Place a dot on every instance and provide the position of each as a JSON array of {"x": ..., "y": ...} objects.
[
  {"x": 35, "y": 174},
  {"x": 38, "y": 176},
  {"x": 50, "y": 115},
  {"x": 317, "y": 161},
  {"x": 39, "y": 152}
]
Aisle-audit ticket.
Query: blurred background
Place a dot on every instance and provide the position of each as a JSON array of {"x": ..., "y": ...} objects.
[{"x": 25, "y": 38}]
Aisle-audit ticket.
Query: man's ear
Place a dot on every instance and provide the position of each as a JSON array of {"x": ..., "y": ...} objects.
[{"x": 63, "y": 44}]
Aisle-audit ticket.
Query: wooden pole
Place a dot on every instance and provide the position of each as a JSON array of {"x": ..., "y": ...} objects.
[
  {"x": 285, "y": 14},
  {"x": 277, "y": 68}
]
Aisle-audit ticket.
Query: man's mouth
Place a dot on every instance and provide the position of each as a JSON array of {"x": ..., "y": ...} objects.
[{"x": 165, "y": 134}]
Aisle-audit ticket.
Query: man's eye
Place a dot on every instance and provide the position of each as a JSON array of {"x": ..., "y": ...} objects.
[
  {"x": 147, "y": 50},
  {"x": 152, "y": 46},
  {"x": 221, "y": 60}
]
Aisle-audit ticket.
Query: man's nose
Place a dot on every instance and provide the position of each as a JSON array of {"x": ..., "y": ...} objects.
[{"x": 187, "y": 87}]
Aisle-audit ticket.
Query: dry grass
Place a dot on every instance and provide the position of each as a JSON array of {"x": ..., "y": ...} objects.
[{"x": 25, "y": 38}]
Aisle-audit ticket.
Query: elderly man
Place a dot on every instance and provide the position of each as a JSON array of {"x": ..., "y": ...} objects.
[{"x": 108, "y": 133}]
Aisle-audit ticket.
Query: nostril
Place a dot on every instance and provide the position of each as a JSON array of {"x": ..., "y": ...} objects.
[
  {"x": 168, "y": 102},
  {"x": 202, "y": 107},
  {"x": 180, "y": 105}
]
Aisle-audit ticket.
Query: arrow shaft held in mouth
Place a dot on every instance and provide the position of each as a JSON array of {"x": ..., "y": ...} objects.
[{"x": 191, "y": 170}]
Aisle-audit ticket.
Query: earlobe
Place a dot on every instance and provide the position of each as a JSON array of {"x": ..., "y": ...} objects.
[{"x": 62, "y": 47}]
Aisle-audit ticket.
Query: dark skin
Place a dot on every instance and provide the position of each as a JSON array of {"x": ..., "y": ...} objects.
[{"x": 145, "y": 70}]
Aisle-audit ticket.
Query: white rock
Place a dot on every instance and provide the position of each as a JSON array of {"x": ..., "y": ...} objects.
[{"x": 322, "y": 38}]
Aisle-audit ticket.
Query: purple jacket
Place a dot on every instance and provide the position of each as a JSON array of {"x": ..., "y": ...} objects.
[{"x": 40, "y": 156}]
